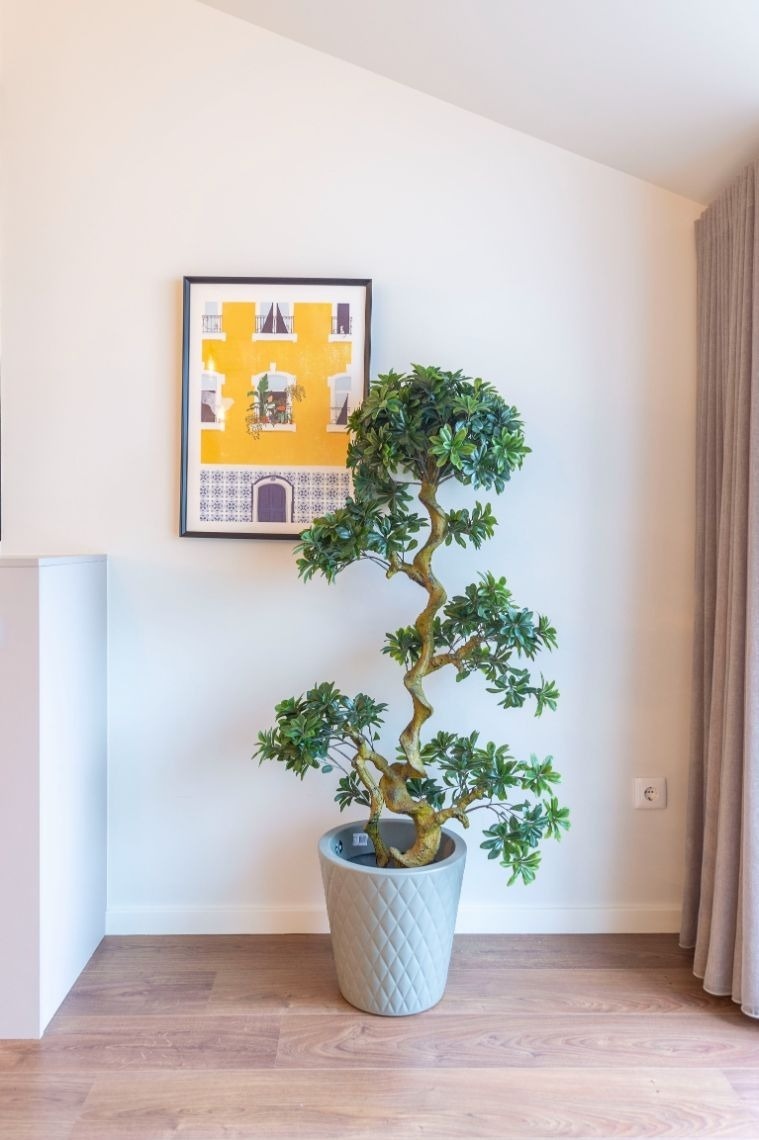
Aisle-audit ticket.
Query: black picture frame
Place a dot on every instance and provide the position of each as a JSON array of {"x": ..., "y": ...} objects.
[{"x": 264, "y": 436}]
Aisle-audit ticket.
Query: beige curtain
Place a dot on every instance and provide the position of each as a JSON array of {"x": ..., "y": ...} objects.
[{"x": 721, "y": 901}]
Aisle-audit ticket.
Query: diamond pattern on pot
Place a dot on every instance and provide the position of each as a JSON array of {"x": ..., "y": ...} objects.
[{"x": 392, "y": 934}]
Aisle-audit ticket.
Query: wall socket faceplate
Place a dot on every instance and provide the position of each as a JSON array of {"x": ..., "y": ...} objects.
[{"x": 650, "y": 792}]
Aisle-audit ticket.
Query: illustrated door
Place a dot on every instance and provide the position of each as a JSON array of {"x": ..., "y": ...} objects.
[{"x": 272, "y": 503}]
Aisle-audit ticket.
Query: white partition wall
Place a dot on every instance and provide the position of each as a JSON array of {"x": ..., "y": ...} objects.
[{"x": 52, "y": 781}]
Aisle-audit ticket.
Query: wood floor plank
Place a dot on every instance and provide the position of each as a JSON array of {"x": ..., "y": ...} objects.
[
  {"x": 571, "y": 951},
  {"x": 354, "y": 1105},
  {"x": 29, "y": 1130},
  {"x": 299, "y": 987},
  {"x": 283, "y": 973},
  {"x": 311, "y": 987},
  {"x": 745, "y": 1083},
  {"x": 139, "y": 955},
  {"x": 695, "y": 1040},
  {"x": 161, "y": 1041},
  {"x": 503, "y": 990},
  {"x": 151, "y": 992},
  {"x": 244, "y": 974},
  {"x": 32, "y": 1105}
]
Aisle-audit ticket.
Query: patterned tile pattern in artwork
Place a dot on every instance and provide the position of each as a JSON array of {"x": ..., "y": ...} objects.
[{"x": 225, "y": 496}]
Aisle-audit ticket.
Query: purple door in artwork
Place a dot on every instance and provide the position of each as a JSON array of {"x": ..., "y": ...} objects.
[{"x": 272, "y": 503}]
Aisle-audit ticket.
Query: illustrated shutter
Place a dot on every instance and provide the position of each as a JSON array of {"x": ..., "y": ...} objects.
[
  {"x": 268, "y": 325},
  {"x": 280, "y": 325},
  {"x": 343, "y": 318}
]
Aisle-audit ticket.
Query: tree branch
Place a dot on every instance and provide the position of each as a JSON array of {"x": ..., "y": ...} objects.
[
  {"x": 456, "y": 656},
  {"x": 376, "y": 804},
  {"x": 458, "y": 810},
  {"x": 381, "y": 562},
  {"x": 399, "y": 565}
]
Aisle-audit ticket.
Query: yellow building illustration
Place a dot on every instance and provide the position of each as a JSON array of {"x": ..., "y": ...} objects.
[{"x": 278, "y": 380}]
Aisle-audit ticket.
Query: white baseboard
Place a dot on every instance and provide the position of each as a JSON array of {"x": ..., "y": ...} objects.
[
  {"x": 472, "y": 919},
  {"x": 216, "y": 920},
  {"x": 568, "y": 920}
]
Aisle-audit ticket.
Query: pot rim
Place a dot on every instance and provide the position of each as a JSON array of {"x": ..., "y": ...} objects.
[{"x": 325, "y": 851}]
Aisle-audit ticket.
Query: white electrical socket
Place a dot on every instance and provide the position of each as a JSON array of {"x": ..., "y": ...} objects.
[{"x": 650, "y": 792}]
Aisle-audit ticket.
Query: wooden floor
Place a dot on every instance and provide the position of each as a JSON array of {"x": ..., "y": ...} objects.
[{"x": 235, "y": 1037}]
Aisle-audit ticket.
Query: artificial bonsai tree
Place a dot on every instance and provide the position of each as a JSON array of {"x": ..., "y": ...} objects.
[{"x": 414, "y": 433}]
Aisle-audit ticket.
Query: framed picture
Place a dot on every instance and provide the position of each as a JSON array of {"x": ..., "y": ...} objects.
[{"x": 272, "y": 368}]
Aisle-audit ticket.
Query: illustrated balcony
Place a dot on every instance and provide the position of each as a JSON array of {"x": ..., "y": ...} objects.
[
  {"x": 342, "y": 327},
  {"x": 270, "y": 325},
  {"x": 211, "y": 324},
  {"x": 272, "y": 417}
]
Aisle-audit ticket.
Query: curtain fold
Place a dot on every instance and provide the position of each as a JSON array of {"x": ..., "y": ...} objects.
[{"x": 721, "y": 899}]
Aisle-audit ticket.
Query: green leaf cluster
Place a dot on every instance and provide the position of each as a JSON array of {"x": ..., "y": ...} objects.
[
  {"x": 435, "y": 425},
  {"x": 317, "y": 726},
  {"x": 519, "y": 829},
  {"x": 379, "y": 528},
  {"x": 459, "y": 766},
  {"x": 425, "y": 425},
  {"x": 474, "y": 526},
  {"x": 503, "y": 630}
]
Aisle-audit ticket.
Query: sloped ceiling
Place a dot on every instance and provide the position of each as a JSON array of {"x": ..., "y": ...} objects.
[{"x": 665, "y": 90}]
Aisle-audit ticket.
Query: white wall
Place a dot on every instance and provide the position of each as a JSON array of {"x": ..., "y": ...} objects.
[{"x": 157, "y": 138}]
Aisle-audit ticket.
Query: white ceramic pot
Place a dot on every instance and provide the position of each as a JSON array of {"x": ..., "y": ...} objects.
[{"x": 392, "y": 927}]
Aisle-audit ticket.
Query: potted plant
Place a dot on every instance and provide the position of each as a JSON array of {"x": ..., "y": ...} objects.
[{"x": 392, "y": 884}]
